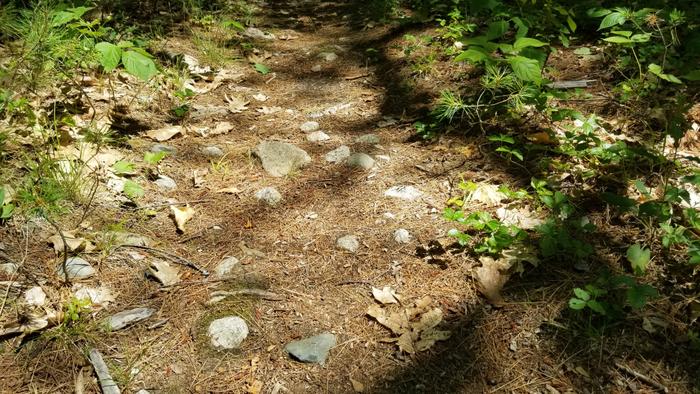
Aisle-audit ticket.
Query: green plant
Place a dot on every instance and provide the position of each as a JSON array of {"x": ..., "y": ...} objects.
[
  {"x": 6, "y": 205},
  {"x": 135, "y": 60},
  {"x": 75, "y": 310}
]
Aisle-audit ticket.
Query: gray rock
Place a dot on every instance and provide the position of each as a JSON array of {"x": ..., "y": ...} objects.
[
  {"x": 76, "y": 267},
  {"x": 361, "y": 160},
  {"x": 165, "y": 182},
  {"x": 9, "y": 268},
  {"x": 316, "y": 68},
  {"x": 312, "y": 350},
  {"x": 269, "y": 195},
  {"x": 348, "y": 242},
  {"x": 281, "y": 158},
  {"x": 328, "y": 56},
  {"x": 371, "y": 139},
  {"x": 212, "y": 151},
  {"x": 402, "y": 236},
  {"x": 309, "y": 126},
  {"x": 257, "y": 34},
  {"x": 171, "y": 150},
  {"x": 125, "y": 318},
  {"x": 409, "y": 193},
  {"x": 338, "y": 155},
  {"x": 317, "y": 136},
  {"x": 226, "y": 267},
  {"x": 228, "y": 332}
]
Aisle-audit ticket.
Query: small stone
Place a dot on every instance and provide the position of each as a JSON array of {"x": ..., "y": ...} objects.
[
  {"x": 257, "y": 34},
  {"x": 165, "y": 182},
  {"x": 317, "y": 136},
  {"x": 402, "y": 236},
  {"x": 281, "y": 158},
  {"x": 228, "y": 332},
  {"x": 76, "y": 268},
  {"x": 361, "y": 160},
  {"x": 370, "y": 139},
  {"x": 348, "y": 242},
  {"x": 9, "y": 268},
  {"x": 316, "y": 68},
  {"x": 35, "y": 296},
  {"x": 312, "y": 350},
  {"x": 328, "y": 56},
  {"x": 125, "y": 318},
  {"x": 309, "y": 126},
  {"x": 97, "y": 295},
  {"x": 156, "y": 148},
  {"x": 212, "y": 151},
  {"x": 226, "y": 267},
  {"x": 269, "y": 195},
  {"x": 409, "y": 193},
  {"x": 338, "y": 155}
]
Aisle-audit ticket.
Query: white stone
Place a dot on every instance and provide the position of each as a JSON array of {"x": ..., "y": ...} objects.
[
  {"x": 269, "y": 195},
  {"x": 226, "y": 267},
  {"x": 165, "y": 182},
  {"x": 402, "y": 236},
  {"x": 338, "y": 155},
  {"x": 35, "y": 296},
  {"x": 309, "y": 126},
  {"x": 317, "y": 136},
  {"x": 228, "y": 332},
  {"x": 361, "y": 160},
  {"x": 409, "y": 193},
  {"x": 348, "y": 242},
  {"x": 76, "y": 267},
  {"x": 9, "y": 268}
]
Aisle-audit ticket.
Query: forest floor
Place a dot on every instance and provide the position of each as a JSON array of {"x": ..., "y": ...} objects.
[{"x": 319, "y": 72}]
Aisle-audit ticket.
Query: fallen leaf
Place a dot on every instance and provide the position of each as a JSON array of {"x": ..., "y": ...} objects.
[
  {"x": 405, "y": 343},
  {"x": 198, "y": 178},
  {"x": 255, "y": 387},
  {"x": 429, "y": 337},
  {"x": 165, "y": 133},
  {"x": 164, "y": 273},
  {"x": 428, "y": 320},
  {"x": 182, "y": 215},
  {"x": 236, "y": 104},
  {"x": 385, "y": 295},
  {"x": 396, "y": 322},
  {"x": 542, "y": 138},
  {"x": 517, "y": 254},
  {"x": 486, "y": 193},
  {"x": 491, "y": 280},
  {"x": 357, "y": 386},
  {"x": 73, "y": 242},
  {"x": 519, "y": 218},
  {"x": 260, "y": 97}
]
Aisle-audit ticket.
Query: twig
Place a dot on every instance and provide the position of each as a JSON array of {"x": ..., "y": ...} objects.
[
  {"x": 103, "y": 377},
  {"x": 271, "y": 78},
  {"x": 260, "y": 293},
  {"x": 167, "y": 204},
  {"x": 358, "y": 76},
  {"x": 65, "y": 248},
  {"x": 642, "y": 377},
  {"x": 175, "y": 258},
  {"x": 199, "y": 233}
]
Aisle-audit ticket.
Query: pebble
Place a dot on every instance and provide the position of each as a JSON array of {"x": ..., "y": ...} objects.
[
  {"x": 313, "y": 349},
  {"x": 269, "y": 195},
  {"x": 165, "y": 182},
  {"x": 35, "y": 296},
  {"x": 402, "y": 236},
  {"x": 226, "y": 267},
  {"x": 76, "y": 268},
  {"x": 309, "y": 126},
  {"x": 348, "y": 242},
  {"x": 409, "y": 193},
  {"x": 155, "y": 148},
  {"x": 317, "y": 136},
  {"x": 338, "y": 155},
  {"x": 281, "y": 158},
  {"x": 228, "y": 332},
  {"x": 125, "y": 318},
  {"x": 212, "y": 151},
  {"x": 361, "y": 160},
  {"x": 328, "y": 56},
  {"x": 316, "y": 68},
  {"x": 257, "y": 34},
  {"x": 9, "y": 268}
]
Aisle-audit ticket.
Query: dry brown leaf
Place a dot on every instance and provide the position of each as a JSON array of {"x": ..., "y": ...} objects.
[
  {"x": 357, "y": 386},
  {"x": 396, "y": 322},
  {"x": 236, "y": 104},
  {"x": 229, "y": 190},
  {"x": 429, "y": 337},
  {"x": 164, "y": 273},
  {"x": 165, "y": 133},
  {"x": 491, "y": 280},
  {"x": 542, "y": 138},
  {"x": 182, "y": 215},
  {"x": 428, "y": 320},
  {"x": 73, "y": 242},
  {"x": 255, "y": 387},
  {"x": 405, "y": 343},
  {"x": 486, "y": 193},
  {"x": 386, "y": 295}
]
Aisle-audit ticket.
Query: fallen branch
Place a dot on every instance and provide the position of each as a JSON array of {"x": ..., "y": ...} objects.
[
  {"x": 260, "y": 293},
  {"x": 642, "y": 377},
  {"x": 358, "y": 76},
  {"x": 173, "y": 257},
  {"x": 103, "y": 377}
]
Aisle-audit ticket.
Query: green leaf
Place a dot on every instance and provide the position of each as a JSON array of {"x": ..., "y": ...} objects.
[
  {"x": 125, "y": 44},
  {"x": 582, "y": 294},
  {"x": 638, "y": 295},
  {"x": 133, "y": 190},
  {"x": 502, "y": 138},
  {"x": 473, "y": 55},
  {"x": 69, "y": 15},
  {"x": 624, "y": 33},
  {"x": 6, "y": 211},
  {"x": 235, "y": 24},
  {"x": 659, "y": 72},
  {"x": 497, "y": 29},
  {"x": 692, "y": 76},
  {"x": 623, "y": 203},
  {"x": 154, "y": 158},
  {"x": 618, "y": 40},
  {"x": 261, "y": 68},
  {"x": 109, "y": 55},
  {"x": 123, "y": 167},
  {"x": 525, "y": 68},
  {"x": 639, "y": 258},
  {"x": 139, "y": 65},
  {"x": 612, "y": 19},
  {"x": 577, "y": 304},
  {"x": 525, "y": 42},
  {"x": 596, "y": 306}
]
